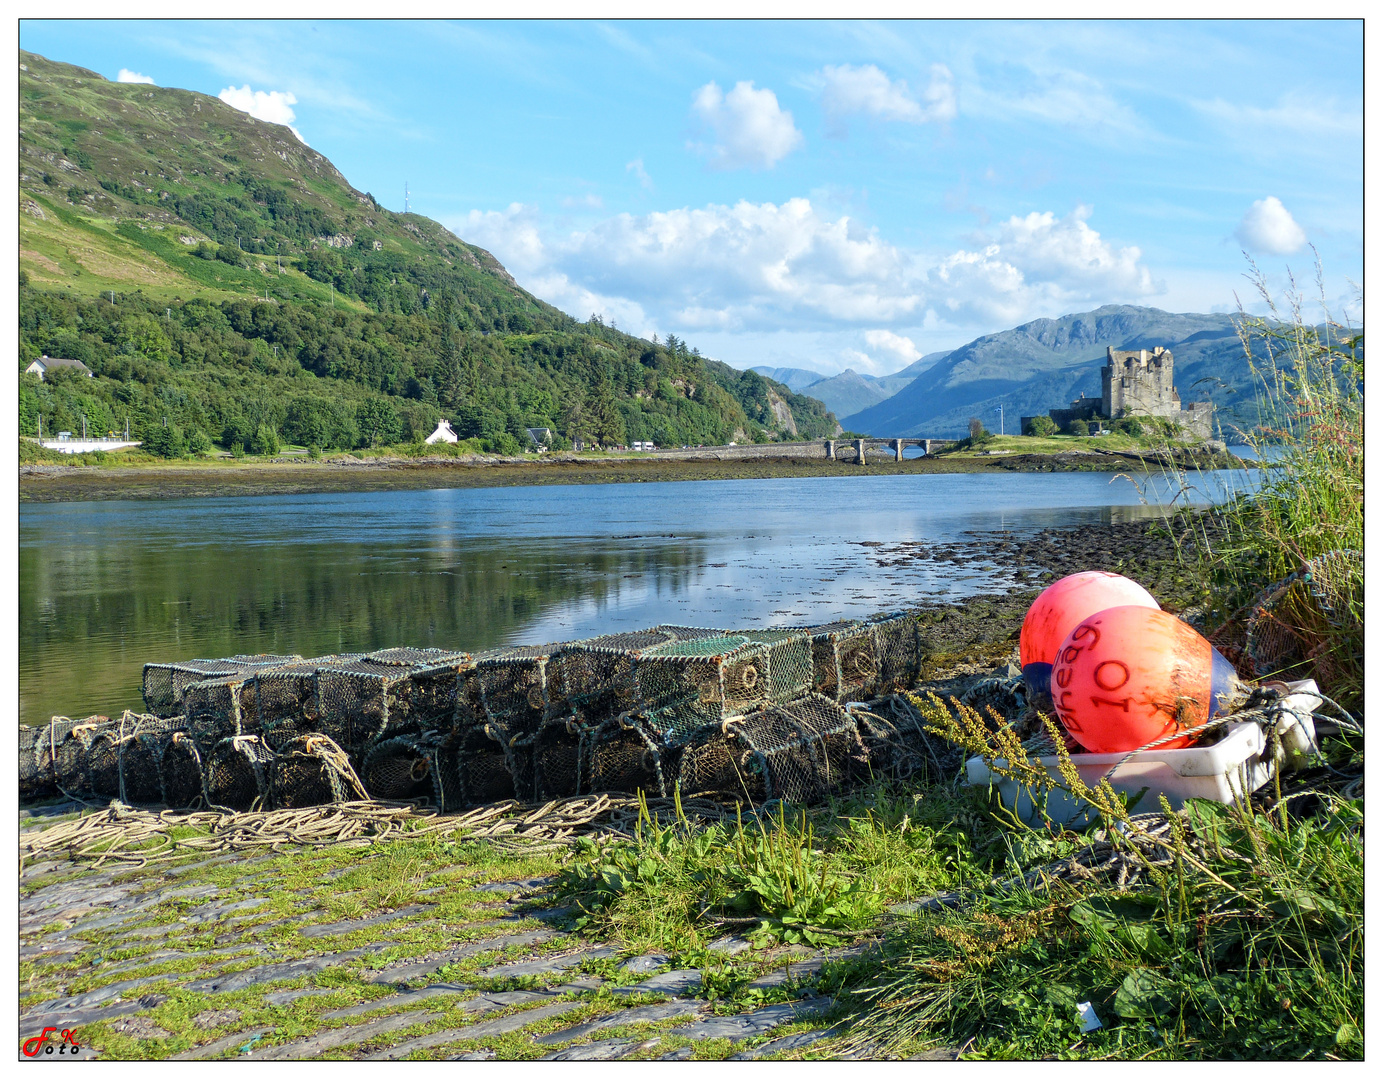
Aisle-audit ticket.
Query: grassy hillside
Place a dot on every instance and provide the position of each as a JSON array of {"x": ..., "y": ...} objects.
[{"x": 215, "y": 271}]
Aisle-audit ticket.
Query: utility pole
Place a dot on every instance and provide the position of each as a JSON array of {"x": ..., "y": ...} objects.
[
  {"x": 83, "y": 427},
  {"x": 40, "y": 428},
  {"x": 405, "y": 197},
  {"x": 127, "y": 429},
  {"x": 333, "y": 293},
  {"x": 1000, "y": 411}
]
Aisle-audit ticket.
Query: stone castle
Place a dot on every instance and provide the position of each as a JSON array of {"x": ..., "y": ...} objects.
[{"x": 1137, "y": 383}]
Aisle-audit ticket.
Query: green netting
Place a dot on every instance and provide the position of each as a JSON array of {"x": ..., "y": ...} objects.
[
  {"x": 220, "y": 708},
  {"x": 685, "y": 685},
  {"x": 898, "y": 648},
  {"x": 789, "y": 661}
]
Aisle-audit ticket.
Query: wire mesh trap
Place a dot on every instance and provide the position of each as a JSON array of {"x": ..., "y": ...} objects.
[
  {"x": 623, "y": 756},
  {"x": 180, "y": 772},
  {"x": 595, "y": 678},
  {"x": 38, "y": 773},
  {"x": 482, "y": 767},
  {"x": 807, "y": 750},
  {"x": 559, "y": 751},
  {"x": 163, "y": 684},
  {"x": 236, "y": 774},
  {"x": 312, "y": 770},
  {"x": 513, "y": 687},
  {"x": 220, "y": 708},
  {"x": 1292, "y": 625},
  {"x": 684, "y": 686},
  {"x": 421, "y": 766},
  {"x": 387, "y": 693},
  {"x": 286, "y": 700},
  {"x": 898, "y": 648},
  {"x": 789, "y": 674},
  {"x": 845, "y": 665}
]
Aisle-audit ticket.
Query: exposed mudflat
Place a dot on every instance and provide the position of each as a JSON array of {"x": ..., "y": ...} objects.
[{"x": 64, "y": 483}]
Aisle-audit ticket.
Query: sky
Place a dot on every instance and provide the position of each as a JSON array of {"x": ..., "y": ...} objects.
[{"x": 821, "y": 194}]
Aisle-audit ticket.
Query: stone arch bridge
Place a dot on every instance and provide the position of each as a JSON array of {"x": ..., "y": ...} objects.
[{"x": 858, "y": 449}]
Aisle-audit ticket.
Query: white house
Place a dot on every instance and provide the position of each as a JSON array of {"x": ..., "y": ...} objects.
[
  {"x": 442, "y": 434},
  {"x": 541, "y": 437},
  {"x": 48, "y": 363}
]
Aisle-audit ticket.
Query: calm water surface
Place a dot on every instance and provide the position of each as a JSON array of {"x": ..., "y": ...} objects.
[{"x": 107, "y": 586}]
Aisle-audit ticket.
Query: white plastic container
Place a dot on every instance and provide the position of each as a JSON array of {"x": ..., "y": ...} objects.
[{"x": 1230, "y": 768}]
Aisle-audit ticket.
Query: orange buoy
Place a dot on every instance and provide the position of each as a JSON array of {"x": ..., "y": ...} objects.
[
  {"x": 1057, "y": 611},
  {"x": 1127, "y": 676}
]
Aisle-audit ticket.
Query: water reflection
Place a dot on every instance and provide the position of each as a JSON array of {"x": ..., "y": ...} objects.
[{"x": 105, "y": 587}]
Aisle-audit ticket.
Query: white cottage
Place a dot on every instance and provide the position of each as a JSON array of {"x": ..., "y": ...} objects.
[
  {"x": 442, "y": 434},
  {"x": 48, "y": 363}
]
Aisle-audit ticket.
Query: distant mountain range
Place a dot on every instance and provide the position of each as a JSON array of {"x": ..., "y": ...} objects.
[
  {"x": 850, "y": 391},
  {"x": 1046, "y": 363}
]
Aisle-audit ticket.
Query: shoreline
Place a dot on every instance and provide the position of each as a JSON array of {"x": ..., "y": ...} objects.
[{"x": 80, "y": 483}]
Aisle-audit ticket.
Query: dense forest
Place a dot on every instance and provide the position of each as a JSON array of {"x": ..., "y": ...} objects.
[
  {"x": 224, "y": 283},
  {"x": 250, "y": 374}
]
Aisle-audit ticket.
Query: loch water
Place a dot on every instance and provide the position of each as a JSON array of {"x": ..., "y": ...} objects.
[{"x": 106, "y": 586}]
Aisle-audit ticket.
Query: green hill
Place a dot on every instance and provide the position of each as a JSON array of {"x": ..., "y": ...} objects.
[{"x": 221, "y": 277}]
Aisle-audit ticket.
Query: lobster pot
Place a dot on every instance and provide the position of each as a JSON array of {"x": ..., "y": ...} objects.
[
  {"x": 38, "y": 754},
  {"x": 1310, "y": 624},
  {"x": 469, "y": 704},
  {"x": 180, "y": 772},
  {"x": 789, "y": 662},
  {"x": 716, "y": 763},
  {"x": 312, "y": 770},
  {"x": 220, "y": 708},
  {"x": 236, "y": 773},
  {"x": 622, "y": 756},
  {"x": 286, "y": 699},
  {"x": 687, "y": 633},
  {"x": 558, "y": 749},
  {"x": 140, "y": 754},
  {"x": 594, "y": 679},
  {"x": 807, "y": 750},
  {"x": 387, "y": 693},
  {"x": 164, "y": 684},
  {"x": 103, "y": 764},
  {"x": 513, "y": 688},
  {"x": 72, "y": 764},
  {"x": 421, "y": 766},
  {"x": 482, "y": 769},
  {"x": 844, "y": 664},
  {"x": 898, "y": 647},
  {"x": 686, "y": 685}
]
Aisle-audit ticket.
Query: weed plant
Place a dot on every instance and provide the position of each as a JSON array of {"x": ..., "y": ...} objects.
[{"x": 780, "y": 877}]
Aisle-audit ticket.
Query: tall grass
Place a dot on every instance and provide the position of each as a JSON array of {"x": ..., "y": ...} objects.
[{"x": 1310, "y": 381}]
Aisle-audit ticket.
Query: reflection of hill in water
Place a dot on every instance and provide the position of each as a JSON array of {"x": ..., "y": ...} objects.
[{"x": 93, "y": 617}]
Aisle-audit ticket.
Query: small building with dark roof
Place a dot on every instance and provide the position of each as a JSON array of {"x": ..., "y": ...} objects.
[{"x": 49, "y": 363}]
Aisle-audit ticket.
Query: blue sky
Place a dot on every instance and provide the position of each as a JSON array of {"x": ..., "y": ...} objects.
[{"x": 820, "y": 194}]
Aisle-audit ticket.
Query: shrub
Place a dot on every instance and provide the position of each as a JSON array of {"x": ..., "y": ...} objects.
[
  {"x": 166, "y": 442},
  {"x": 199, "y": 442},
  {"x": 1078, "y": 427},
  {"x": 266, "y": 440},
  {"x": 1041, "y": 426}
]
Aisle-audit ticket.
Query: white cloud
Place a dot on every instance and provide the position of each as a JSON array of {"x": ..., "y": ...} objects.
[
  {"x": 1270, "y": 228},
  {"x": 749, "y": 127},
  {"x": 896, "y": 346},
  {"x": 636, "y": 167},
  {"x": 589, "y": 201},
  {"x": 128, "y": 76},
  {"x": 867, "y": 90},
  {"x": 271, "y": 106},
  {"x": 762, "y": 268}
]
